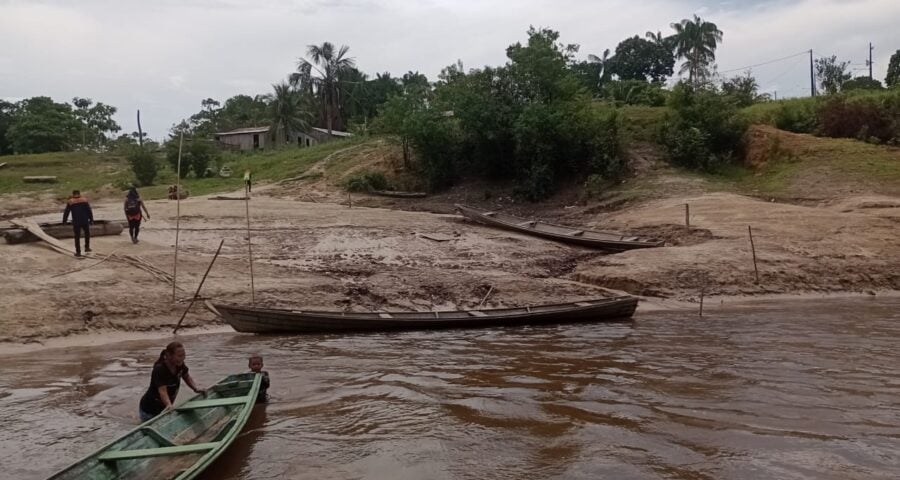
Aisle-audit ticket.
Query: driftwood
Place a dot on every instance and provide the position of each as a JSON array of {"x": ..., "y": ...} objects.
[
  {"x": 2, "y": 164},
  {"x": 61, "y": 230},
  {"x": 55, "y": 244},
  {"x": 39, "y": 179},
  {"x": 222, "y": 197}
]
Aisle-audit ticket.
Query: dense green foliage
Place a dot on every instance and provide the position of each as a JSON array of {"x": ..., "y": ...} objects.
[
  {"x": 640, "y": 59},
  {"x": 39, "y": 124},
  {"x": 703, "y": 130},
  {"x": 872, "y": 116},
  {"x": 197, "y": 155},
  {"x": 530, "y": 120},
  {"x": 144, "y": 165},
  {"x": 862, "y": 83},
  {"x": 367, "y": 182},
  {"x": 893, "y": 74}
]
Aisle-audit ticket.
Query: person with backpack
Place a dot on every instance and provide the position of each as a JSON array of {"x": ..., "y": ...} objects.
[
  {"x": 133, "y": 206},
  {"x": 82, "y": 219}
]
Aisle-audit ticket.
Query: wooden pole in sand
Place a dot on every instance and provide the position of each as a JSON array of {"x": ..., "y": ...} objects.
[
  {"x": 177, "y": 215},
  {"x": 753, "y": 249},
  {"x": 197, "y": 293},
  {"x": 250, "y": 247},
  {"x": 687, "y": 216},
  {"x": 349, "y": 200}
]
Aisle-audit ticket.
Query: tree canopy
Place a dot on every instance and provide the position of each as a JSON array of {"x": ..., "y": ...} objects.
[{"x": 640, "y": 59}]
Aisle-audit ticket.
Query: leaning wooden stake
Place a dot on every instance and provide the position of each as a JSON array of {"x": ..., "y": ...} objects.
[
  {"x": 349, "y": 200},
  {"x": 197, "y": 293},
  {"x": 177, "y": 216},
  {"x": 753, "y": 249},
  {"x": 250, "y": 249},
  {"x": 488, "y": 294}
]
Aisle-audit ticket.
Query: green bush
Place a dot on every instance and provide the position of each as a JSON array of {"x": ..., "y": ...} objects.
[
  {"x": 798, "y": 116},
  {"x": 367, "y": 182},
  {"x": 704, "y": 130},
  {"x": 634, "y": 92},
  {"x": 863, "y": 117},
  {"x": 144, "y": 165},
  {"x": 196, "y": 156}
]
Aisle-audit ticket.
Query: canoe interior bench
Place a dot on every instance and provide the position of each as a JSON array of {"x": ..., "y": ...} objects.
[
  {"x": 216, "y": 402},
  {"x": 156, "y": 452}
]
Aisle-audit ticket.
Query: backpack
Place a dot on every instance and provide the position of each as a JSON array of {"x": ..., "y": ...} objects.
[{"x": 132, "y": 206}]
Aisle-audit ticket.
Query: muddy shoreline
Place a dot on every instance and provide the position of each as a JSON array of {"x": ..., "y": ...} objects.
[{"x": 377, "y": 256}]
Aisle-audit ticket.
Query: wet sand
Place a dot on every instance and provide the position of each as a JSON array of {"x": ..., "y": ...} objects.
[{"x": 328, "y": 256}]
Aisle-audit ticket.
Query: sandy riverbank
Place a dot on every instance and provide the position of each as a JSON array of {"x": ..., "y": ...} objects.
[{"x": 328, "y": 256}]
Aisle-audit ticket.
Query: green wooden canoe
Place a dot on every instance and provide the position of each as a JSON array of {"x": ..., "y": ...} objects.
[{"x": 179, "y": 444}]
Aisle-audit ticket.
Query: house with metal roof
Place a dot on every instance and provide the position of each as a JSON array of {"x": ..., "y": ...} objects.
[
  {"x": 253, "y": 138},
  {"x": 317, "y": 135}
]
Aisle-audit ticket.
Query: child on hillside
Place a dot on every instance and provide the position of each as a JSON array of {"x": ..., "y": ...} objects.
[{"x": 256, "y": 366}]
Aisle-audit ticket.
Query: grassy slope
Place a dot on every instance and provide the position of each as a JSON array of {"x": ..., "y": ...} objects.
[{"x": 95, "y": 172}]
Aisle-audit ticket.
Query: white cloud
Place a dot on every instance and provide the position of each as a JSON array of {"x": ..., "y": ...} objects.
[{"x": 165, "y": 56}]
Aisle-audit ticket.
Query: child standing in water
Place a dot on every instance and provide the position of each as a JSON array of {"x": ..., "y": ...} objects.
[{"x": 256, "y": 366}]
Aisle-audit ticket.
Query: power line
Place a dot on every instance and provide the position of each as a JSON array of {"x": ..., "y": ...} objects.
[{"x": 805, "y": 52}]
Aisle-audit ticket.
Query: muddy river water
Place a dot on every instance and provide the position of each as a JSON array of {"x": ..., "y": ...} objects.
[{"x": 797, "y": 390}]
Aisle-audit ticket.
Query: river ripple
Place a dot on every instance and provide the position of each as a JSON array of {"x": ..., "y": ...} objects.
[{"x": 799, "y": 390}]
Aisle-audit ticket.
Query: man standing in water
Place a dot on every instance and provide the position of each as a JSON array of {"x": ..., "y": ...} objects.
[{"x": 82, "y": 218}]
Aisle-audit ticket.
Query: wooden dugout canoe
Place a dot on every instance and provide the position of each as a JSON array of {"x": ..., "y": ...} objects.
[
  {"x": 396, "y": 194},
  {"x": 270, "y": 320},
  {"x": 176, "y": 445},
  {"x": 61, "y": 230},
  {"x": 612, "y": 241}
]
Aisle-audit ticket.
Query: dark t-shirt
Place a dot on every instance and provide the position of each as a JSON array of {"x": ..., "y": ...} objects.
[
  {"x": 263, "y": 395},
  {"x": 151, "y": 402}
]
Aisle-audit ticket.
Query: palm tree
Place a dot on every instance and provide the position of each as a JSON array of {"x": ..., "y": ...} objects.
[
  {"x": 696, "y": 41},
  {"x": 288, "y": 111},
  {"x": 603, "y": 63},
  {"x": 329, "y": 64},
  {"x": 658, "y": 39}
]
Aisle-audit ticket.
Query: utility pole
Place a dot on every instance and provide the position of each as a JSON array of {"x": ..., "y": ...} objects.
[
  {"x": 812, "y": 75},
  {"x": 869, "y": 63}
]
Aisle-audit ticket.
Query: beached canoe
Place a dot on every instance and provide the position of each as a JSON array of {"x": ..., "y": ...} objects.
[
  {"x": 270, "y": 320},
  {"x": 179, "y": 444},
  {"x": 60, "y": 230},
  {"x": 611, "y": 241},
  {"x": 396, "y": 194}
]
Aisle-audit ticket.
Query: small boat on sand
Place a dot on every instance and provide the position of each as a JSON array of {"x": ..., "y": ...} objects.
[
  {"x": 270, "y": 320},
  {"x": 611, "y": 241},
  {"x": 178, "y": 444},
  {"x": 61, "y": 230}
]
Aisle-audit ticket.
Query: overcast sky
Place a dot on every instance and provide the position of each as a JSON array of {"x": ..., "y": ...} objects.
[{"x": 165, "y": 56}]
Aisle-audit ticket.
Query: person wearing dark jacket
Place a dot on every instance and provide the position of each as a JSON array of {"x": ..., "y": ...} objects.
[{"x": 82, "y": 218}]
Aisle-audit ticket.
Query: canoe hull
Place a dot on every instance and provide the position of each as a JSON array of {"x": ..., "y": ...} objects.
[
  {"x": 60, "y": 231},
  {"x": 614, "y": 242},
  {"x": 264, "y": 320},
  {"x": 178, "y": 444}
]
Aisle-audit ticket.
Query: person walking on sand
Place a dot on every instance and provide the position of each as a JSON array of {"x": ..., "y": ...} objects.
[
  {"x": 82, "y": 219},
  {"x": 247, "y": 179},
  {"x": 165, "y": 380},
  {"x": 133, "y": 206}
]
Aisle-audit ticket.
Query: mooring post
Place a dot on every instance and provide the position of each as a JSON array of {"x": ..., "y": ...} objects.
[
  {"x": 753, "y": 249},
  {"x": 687, "y": 216}
]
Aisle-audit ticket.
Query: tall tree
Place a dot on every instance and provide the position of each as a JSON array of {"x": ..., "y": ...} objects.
[
  {"x": 320, "y": 75},
  {"x": 639, "y": 59},
  {"x": 696, "y": 41},
  {"x": 893, "y": 74},
  {"x": 601, "y": 67},
  {"x": 288, "y": 112},
  {"x": 96, "y": 121},
  {"x": 6, "y": 117},
  {"x": 41, "y": 125},
  {"x": 832, "y": 74}
]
